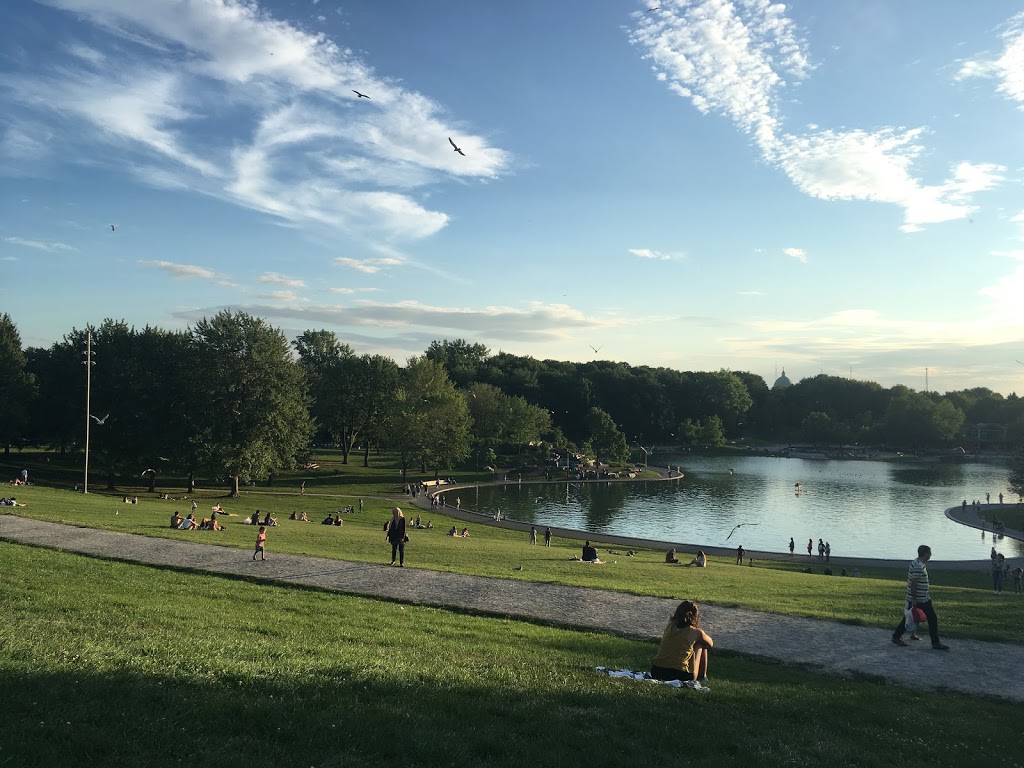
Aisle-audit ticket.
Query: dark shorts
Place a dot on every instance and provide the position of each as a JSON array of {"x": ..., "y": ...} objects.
[{"x": 667, "y": 673}]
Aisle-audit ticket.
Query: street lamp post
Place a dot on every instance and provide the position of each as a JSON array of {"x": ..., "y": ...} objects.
[{"x": 88, "y": 412}]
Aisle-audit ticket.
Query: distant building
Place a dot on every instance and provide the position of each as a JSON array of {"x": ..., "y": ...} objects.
[
  {"x": 782, "y": 382},
  {"x": 986, "y": 437}
]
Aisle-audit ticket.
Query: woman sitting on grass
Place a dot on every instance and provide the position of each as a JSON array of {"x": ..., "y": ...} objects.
[
  {"x": 683, "y": 654},
  {"x": 454, "y": 532},
  {"x": 670, "y": 556},
  {"x": 701, "y": 560}
]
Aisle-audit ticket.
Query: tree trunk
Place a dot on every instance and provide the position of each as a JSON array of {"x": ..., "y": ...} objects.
[
  {"x": 346, "y": 445},
  {"x": 7, "y": 449},
  {"x": 234, "y": 494},
  {"x": 366, "y": 457},
  {"x": 110, "y": 480},
  {"x": 191, "y": 483},
  {"x": 152, "y": 482}
]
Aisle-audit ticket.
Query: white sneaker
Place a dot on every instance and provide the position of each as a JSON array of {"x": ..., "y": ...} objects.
[{"x": 695, "y": 686}]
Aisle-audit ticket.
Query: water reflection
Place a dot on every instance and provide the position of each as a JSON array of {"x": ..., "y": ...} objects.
[{"x": 870, "y": 509}]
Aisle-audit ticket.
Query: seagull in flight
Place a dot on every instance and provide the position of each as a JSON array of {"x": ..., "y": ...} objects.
[
  {"x": 652, "y": 10},
  {"x": 360, "y": 95},
  {"x": 596, "y": 349},
  {"x": 148, "y": 471},
  {"x": 113, "y": 227},
  {"x": 738, "y": 526},
  {"x": 100, "y": 421},
  {"x": 455, "y": 147}
]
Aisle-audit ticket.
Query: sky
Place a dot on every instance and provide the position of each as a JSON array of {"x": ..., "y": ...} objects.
[{"x": 811, "y": 187}]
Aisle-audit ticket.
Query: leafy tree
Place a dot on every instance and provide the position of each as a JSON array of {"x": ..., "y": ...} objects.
[
  {"x": 254, "y": 406},
  {"x": 818, "y": 427},
  {"x": 460, "y": 359},
  {"x": 916, "y": 419},
  {"x": 688, "y": 432},
  {"x": 429, "y": 422},
  {"x": 321, "y": 357},
  {"x": 375, "y": 384},
  {"x": 17, "y": 385},
  {"x": 712, "y": 431},
  {"x": 605, "y": 438}
]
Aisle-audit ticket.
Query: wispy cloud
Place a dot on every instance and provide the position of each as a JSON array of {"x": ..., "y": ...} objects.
[
  {"x": 182, "y": 271},
  {"x": 736, "y": 59},
  {"x": 276, "y": 278},
  {"x": 797, "y": 253},
  {"x": 369, "y": 266},
  {"x": 40, "y": 245},
  {"x": 750, "y": 293},
  {"x": 224, "y": 99},
  {"x": 351, "y": 291},
  {"x": 283, "y": 296},
  {"x": 647, "y": 253},
  {"x": 1007, "y": 68}
]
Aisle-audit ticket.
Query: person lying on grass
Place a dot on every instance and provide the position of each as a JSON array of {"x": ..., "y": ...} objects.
[{"x": 683, "y": 653}]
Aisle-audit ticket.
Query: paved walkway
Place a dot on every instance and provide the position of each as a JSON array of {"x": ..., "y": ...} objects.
[{"x": 971, "y": 666}]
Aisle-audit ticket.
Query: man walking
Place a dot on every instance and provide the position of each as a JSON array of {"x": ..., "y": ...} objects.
[{"x": 918, "y": 597}]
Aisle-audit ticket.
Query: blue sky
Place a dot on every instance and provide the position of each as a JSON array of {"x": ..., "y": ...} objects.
[{"x": 821, "y": 187}]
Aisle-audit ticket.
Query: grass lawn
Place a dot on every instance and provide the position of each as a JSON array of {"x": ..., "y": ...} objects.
[
  {"x": 106, "y": 663},
  {"x": 964, "y": 601}
]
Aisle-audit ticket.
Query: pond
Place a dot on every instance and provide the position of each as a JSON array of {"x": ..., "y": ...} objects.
[{"x": 862, "y": 508}]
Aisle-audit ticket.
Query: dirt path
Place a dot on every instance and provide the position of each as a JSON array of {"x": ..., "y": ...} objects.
[{"x": 971, "y": 666}]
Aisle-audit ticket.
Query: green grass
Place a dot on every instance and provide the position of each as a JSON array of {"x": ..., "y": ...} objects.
[
  {"x": 964, "y": 601},
  {"x": 106, "y": 663}
]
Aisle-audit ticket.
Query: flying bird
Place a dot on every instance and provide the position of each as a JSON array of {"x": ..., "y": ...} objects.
[
  {"x": 147, "y": 471},
  {"x": 113, "y": 227},
  {"x": 738, "y": 526},
  {"x": 596, "y": 349},
  {"x": 100, "y": 421},
  {"x": 456, "y": 147},
  {"x": 652, "y": 10},
  {"x": 360, "y": 95}
]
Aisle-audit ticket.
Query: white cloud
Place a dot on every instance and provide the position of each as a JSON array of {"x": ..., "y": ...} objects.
[
  {"x": 40, "y": 245},
  {"x": 222, "y": 98},
  {"x": 1008, "y": 68},
  {"x": 284, "y": 296},
  {"x": 181, "y": 271},
  {"x": 351, "y": 291},
  {"x": 733, "y": 58},
  {"x": 275, "y": 278},
  {"x": 369, "y": 266},
  {"x": 647, "y": 253},
  {"x": 797, "y": 253}
]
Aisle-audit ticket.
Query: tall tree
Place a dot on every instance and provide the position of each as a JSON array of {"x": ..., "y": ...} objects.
[
  {"x": 605, "y": 437},
  {"x": 322, "y": 358},
  {"x": 460, "y": 359},
  {"x": 17, "y": 385},
  {"x": 254, "y": 407}
]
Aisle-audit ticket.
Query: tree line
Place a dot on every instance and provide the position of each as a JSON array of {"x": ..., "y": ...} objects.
[{"x": 231, "y": 398}]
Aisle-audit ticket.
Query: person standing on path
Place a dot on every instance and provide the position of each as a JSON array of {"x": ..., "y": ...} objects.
[
  {"x": 919, "y": 597},
  {"x": 810, "y": 547},
  {"x": 739, "y": 554},
  {"x": 998, "y": 572},
  {"x": 261, "y": 544},
  {"x": 533, "y": 534},
  {"x": 547, "y": 537},
  {"x": 302, "y": 488},
  {"x": 828, "y": 552},
  {"x": 792, "y": 546},
  {"x": 396, "y": 536},
  {"x": 987, "y": 497},
  {"x": 821, "y": 549}
]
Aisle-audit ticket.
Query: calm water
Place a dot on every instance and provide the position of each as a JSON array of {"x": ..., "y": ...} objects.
[{"x": 862, "y": 508}]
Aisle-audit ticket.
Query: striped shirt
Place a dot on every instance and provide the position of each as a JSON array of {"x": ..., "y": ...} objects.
[{"x": 919, "y": 573}]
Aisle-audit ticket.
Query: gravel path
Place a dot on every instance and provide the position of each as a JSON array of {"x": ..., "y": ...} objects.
[{"x": 971, "y": 666}]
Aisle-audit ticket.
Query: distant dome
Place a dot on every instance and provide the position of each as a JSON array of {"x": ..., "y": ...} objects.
[{"x": 782, "y": 382}]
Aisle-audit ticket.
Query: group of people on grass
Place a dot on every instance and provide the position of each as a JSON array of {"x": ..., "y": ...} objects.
[
  {"x": 454, "y": 531},
  {"x": 191, "y": 524},
  {"x": 1000, "y": 569}
]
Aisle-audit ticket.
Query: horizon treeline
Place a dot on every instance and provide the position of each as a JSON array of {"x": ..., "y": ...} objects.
[{"x": 233, "y": 397}]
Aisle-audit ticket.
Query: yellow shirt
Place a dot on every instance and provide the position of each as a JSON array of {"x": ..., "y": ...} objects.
[{"x": 676, "y": 651}]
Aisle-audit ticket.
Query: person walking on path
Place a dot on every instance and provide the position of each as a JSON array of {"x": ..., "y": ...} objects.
[
  {"x": 828, "y": 552},
  {"x": 261, "y": 544},
  {"x": 919, "y": 597},
  {"x": 547, "y": 537},
  {"x": 792, "y": 546},
  {"x": 302, "y": 488},
  {"x": 810, "y": 547},
  {"x": 821, "y": 549},
  {"x": 396, "y": 536},
  {"x": 533, "y": 534}
]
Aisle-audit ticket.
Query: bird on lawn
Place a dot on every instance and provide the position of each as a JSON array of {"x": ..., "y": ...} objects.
[
  {"x": 100, "y": 421},
  {"x": 360, "y": 95},
  {"x": 737, "y": 527},
  {"x": 456, "y": 147}
]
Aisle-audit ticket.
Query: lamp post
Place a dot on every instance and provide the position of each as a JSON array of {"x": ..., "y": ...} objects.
[{"x": 88, "y": 363}]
